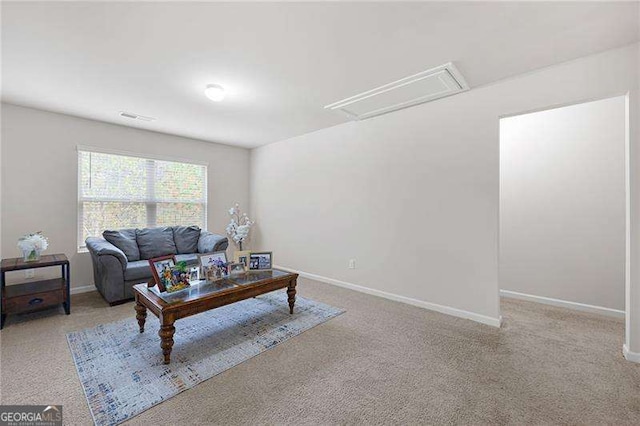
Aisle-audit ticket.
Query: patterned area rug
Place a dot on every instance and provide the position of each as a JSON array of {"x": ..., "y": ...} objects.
[{"x": 122, "y": 372}]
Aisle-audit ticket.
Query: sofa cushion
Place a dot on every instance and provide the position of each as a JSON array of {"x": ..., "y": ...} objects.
[
  {"x": 125, "y": 240},
  {"x": 138, "y": 271},
  {"x": 209, "y": 243},
  {"x": 155, "y": 242},
  {"x": 186, "y": 238},
  {"x": 191, "y": 259}
]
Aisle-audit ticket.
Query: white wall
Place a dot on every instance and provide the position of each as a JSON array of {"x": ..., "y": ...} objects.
[
  {"x": 632, "y": 272},
  {"x": 39, "y": 176},
  {"x": 413, "y": 195},
  {"x": 562, "y": 203},
  {"x": 1, "y": 125}
]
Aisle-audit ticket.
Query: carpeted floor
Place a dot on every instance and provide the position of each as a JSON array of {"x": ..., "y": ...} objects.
[{"x": 381, "y": 362}]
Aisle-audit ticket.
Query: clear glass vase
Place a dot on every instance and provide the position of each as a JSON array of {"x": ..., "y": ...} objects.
[{"x": 31, "y": 255}]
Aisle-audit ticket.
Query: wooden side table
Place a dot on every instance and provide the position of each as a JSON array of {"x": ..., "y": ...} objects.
[{"x": 35, "y": 295}]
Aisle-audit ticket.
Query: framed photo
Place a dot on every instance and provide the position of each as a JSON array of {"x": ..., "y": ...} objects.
[
  {"x": 260, "y": 261},
  {"x": 161, "y": 270},
  {"x": 236, "y": 268},
  {"x": 214, "y": 265},
  {"x": 242, "y": 257},
  {"x": 212, "y": 259},
  {"x": 194, "y": 274}
]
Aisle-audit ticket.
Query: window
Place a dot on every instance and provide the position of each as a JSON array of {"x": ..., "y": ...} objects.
[{"x": 121, "y": 191}]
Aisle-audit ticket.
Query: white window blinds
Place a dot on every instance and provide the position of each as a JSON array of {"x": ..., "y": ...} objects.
[{"x": 119, "y": 191}]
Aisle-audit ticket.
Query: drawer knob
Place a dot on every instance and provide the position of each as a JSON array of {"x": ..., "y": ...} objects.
[{"x": 35, "y": 301}]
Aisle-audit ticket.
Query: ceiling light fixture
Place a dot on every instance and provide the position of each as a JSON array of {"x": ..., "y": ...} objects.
[{"x": 215, "y": 92}]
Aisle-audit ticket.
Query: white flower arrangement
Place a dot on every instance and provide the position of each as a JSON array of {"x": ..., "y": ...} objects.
[
  {"x": 239, "y": 227},
  {"x": 32, "y": 244}
]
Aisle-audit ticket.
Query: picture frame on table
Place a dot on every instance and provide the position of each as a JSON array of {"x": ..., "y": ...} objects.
[
  {"x": 210, "y": 259},
  {"x": 242, "y": 257},
  {"x": 236, "y": 268},
  {"x": 158, "y": 267},
  {"x": 211, "y": 265},
  {"x": 261, "y": 261},
  {"x": 194, "y": 274}
]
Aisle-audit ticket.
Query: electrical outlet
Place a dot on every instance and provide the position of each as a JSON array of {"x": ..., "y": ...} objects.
[
  {"x": 29, "y": 273},
  {"x": 352, "y": 264}
]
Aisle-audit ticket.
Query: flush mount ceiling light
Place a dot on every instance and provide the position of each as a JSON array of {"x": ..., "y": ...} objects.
[{"x": 215, "y": 92}]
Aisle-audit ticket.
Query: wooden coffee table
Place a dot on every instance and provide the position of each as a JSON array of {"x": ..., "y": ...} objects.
[{"x": 206, "y": 296}]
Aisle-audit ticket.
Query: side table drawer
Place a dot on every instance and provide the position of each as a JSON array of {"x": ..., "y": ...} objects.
[{"x": 30, "y": 302}]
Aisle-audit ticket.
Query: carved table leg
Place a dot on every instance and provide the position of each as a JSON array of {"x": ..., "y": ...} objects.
[
  {"x": 166, "y": 335},
  {"x": 291, "y": 292},
  {"x": 141, "y": 315}
]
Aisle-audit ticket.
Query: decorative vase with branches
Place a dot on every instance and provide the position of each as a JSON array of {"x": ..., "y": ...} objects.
[{"x": 239, "y": 226}]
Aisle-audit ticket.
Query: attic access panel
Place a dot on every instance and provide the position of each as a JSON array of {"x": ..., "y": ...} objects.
[{"x": 428, "y": 85}]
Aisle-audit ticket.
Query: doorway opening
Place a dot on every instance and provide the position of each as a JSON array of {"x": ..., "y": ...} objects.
[{"x": 563, "y": 207}]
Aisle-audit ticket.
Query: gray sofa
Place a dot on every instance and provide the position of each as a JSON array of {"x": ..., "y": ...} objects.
[{"x": 120, "y": 259}]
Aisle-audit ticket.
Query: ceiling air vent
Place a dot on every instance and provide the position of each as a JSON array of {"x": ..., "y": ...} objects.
[
  {"x": 136, "y": 116},
  {"x": 425, "y": 86}
]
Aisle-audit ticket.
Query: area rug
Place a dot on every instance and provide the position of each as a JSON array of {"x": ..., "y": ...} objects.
[{"x": 121, "y": 369}]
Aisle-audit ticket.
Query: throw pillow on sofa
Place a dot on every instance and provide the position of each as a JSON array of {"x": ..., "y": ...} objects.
[
  {"x": 125, "y": 240},
  {"x": 155, "y": 242},
  {"x": 186, "y": 238}
]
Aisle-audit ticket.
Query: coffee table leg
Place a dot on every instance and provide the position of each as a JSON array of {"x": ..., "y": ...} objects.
[
  {"x": 291, "y": 292},
  {"x": 141, "y": 315},
  {"x": 166, "y": 335}
]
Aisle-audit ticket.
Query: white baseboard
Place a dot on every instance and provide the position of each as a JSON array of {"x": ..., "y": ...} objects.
[
  {"x": 630, "y": 356},
  {"x": 483, "y": 319},
  {"x": 563, "y": 303},
  {"x": 83, "y": 289}
]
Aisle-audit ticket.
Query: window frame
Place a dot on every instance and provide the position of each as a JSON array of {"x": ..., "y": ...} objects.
[{"x": 82, "y": 248}]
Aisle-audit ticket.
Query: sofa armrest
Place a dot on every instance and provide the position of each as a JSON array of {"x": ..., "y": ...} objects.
[
  {"x": 210, "y": 242},
  {"x": 101, "y": 247}
]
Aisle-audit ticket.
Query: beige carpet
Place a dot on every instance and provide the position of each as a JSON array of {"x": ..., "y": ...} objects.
[{"x": 381, "y": 362}]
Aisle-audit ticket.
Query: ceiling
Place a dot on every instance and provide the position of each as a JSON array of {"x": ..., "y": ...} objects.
[{"x": 281, "y": 63}]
